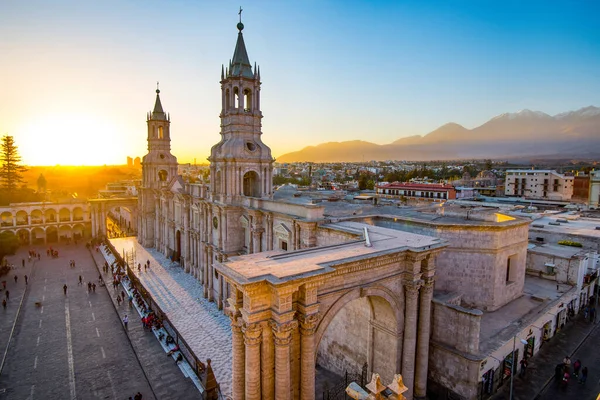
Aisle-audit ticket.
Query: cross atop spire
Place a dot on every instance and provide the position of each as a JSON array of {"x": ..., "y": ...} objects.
[
  {"x": 240, "y": 64},
  {"x": 158, "y": 112}
]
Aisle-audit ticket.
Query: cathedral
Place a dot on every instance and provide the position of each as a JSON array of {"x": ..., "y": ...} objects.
[{"x": 303, "y": 288}]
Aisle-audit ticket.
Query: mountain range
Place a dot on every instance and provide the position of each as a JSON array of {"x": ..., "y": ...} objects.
[{"x": 534, "y": 134}]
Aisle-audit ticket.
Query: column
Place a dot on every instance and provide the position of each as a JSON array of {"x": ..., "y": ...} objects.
[
  {"x": 268, "y": 365},
  {"x": 411, "y": 291},
  {"x": 238, "y": 359},
  {"x": 252, "y": 339},
  {"x": 308, "y": 326},
  {"x": 423, "y": 339},
  {"x": 282, "y": 335},
  {"x": 93, "y": 213}
]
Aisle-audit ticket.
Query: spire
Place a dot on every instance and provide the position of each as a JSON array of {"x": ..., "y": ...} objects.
[
  {"x": 241, "y": 63},
  {"x": 158, "y": 112}
]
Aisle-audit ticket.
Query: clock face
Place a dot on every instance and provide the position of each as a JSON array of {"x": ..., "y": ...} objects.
[{"x": 215, "y": 222}]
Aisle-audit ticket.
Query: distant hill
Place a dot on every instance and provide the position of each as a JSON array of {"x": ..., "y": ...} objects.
[{"x": 522, "y": 134}]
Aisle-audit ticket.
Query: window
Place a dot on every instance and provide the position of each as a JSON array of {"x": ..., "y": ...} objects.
[
  {"x": 160, "y": 132},
  {"x": 511, "y": 269}
]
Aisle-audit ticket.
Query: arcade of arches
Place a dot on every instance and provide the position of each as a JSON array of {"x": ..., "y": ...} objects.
[{"x": 41, "y": 223}]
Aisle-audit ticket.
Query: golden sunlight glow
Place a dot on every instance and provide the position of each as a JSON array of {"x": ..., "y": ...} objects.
[
  {"x": 503, "y": 217},
  {"x": 70, "y": 140}
]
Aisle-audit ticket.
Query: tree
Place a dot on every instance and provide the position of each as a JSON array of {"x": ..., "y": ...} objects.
[
  {"x": 11, "y": 173},
  {"x": 8, "y": 244}
]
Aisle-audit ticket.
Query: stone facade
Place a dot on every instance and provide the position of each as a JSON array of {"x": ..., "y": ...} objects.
[
  {"x": 45, "y": 222},
  {"x": 301, "y": 288}
]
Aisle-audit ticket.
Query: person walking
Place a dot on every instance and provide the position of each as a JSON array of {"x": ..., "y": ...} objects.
[
  {"x": 65, "y": 289},
  {"x": 16, "y": 278},
  {"x": 125, "y": 320},
  {"x": 94, "y": 287},
  {"x": 80, "y": 280},
  {"x": 7, "y": 294},
  {"x": 4, "y": 303},
  {"x": 593, "y": 315},
  {"x": 584, "y": 374},
  {"x": 523, "y": 368},
  {"x": 576, "y": 367},
  {"x": 26, "y": 280},
  {"x": 567, "y": 362},
  {"x": 119, "y": 299}
]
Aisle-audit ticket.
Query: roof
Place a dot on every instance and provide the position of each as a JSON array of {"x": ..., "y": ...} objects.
[
  {"x": 280, "y": 266},
  {"x": 240, "y": 64},
  {"x": 158, "y": 112},
  {"x": 409, "y": 185}
]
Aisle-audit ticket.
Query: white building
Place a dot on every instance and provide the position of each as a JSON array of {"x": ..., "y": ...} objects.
[
  {"x": 538, "y": 184},
  {"x": 594, "y": 189}
]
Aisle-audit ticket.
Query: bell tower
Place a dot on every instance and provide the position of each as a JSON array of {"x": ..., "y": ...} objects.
[
  {"x": 241, "y": 164},
  {"x": 159, "y": 166}
]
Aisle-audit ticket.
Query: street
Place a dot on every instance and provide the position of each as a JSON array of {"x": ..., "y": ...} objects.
[
  {"x": 69, "y": 346},
  {"x": 589, "y": 355}
]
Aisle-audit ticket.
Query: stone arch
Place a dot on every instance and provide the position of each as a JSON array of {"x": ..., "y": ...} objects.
[
  {"x": 218, "y": 182},
  {"x": 38, "y": 236},
  {"x": 363, "y": 325},
  {"x": 78, "y": 231},
  {"x": 64, "y": 233},
  {"x": 78, "y": 214},
  {"x": 252, "y": 184},
  {"x": 247, "y": 100},
  {"x": 162, "y": 175},
  {"x": 236, "y": 97},
  {"x": 37, "y": 217},
  {"x": 64, "y": 215},
  {"x": 227, "y": 99},
  {"x": 6, "y": 218},
  {"x": 23, "y": 235},
  {"x": 50, "y": 215},
  {"x": 51, "y": 234},
  {"x": 22, "y": 218}
]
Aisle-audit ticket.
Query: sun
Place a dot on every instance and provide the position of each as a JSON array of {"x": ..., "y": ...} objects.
[{"x": 75, "y": 139}]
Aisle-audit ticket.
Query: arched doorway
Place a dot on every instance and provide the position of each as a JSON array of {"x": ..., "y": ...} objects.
[
  {"x": 51, "y": 234},
  {"x": 251, "y": 184},
  {"x": 177, "y": 252},
  {"x": 363, "y": 331}
]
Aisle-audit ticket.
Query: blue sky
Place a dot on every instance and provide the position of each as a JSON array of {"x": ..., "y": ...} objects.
[{"x": 75, "y": 73}]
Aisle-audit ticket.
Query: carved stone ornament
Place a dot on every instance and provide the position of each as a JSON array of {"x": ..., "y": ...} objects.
[
  {"x": 252, "y": 334},
  {"x": 308, "y": 323},
  {"x": 282, "y": 333}
]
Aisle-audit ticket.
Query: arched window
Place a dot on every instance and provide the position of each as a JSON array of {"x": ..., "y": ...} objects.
[
  {"x": 247, "y": 100},
  {"x": 227, "y": 100},
  {"x": 251, "y": 184},
  {"x": 236, "y": 97},
  {"x": 162, "y": 175},
  {"x": 160, "y": 132}
]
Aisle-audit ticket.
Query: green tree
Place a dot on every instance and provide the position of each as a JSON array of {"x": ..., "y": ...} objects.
[
  {"x": 11, "y": 173},
  {"x": 9, "y": 243}
]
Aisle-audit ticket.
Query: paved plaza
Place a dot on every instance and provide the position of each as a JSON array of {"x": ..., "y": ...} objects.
[
  {"x": 203, "y": 326},
  {"x": 69, "y": 346}
]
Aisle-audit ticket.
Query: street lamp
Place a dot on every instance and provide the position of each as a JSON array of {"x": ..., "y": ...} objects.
[{"x": 512, "y": 370}]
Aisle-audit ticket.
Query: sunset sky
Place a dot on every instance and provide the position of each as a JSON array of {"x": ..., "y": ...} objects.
[{"x": 77, "y": 77}]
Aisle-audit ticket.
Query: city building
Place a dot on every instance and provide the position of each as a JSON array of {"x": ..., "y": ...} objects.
[
  {"x": 538, "y": 184},
  {"x": 431, "y": 192},
  {"x": 594, "y": 192},
  {"x": 46, "y": 222}
]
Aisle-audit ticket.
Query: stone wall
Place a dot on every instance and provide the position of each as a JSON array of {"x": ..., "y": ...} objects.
[
  {"x": 364, "y": 331},
  {"x": 475, "y": 262},
  {"x": 565, "y": 269},
  {"x": 345, "y": 345},
  {"x": 451, "y": 371},
  {"x": 456, "y": 326}
]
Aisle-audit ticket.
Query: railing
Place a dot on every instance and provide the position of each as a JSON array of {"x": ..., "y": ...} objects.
[
  {"x": 338, "y": 390},
  {"x": 197, "y": 365}
]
